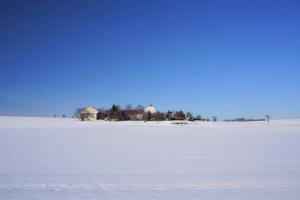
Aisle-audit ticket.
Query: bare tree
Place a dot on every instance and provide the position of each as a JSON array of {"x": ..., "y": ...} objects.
[
  {"x": 214, "y": 118},
  {"x": 158, "y": 116},
  {"x": 147, "y": 116},
  {"x": 268, "y": 118},
  {"x": 170, "y": 115},
  {"x": 101, "y": 109},
  {"x": 102, "y": 114},
  {"x": 140, "y": 107},
  {"x": 77, "y": 112},
  {"x": 189, "y": 116},
  {"x": 128, "y": 107},
  {"x": 198, "y": 117}
]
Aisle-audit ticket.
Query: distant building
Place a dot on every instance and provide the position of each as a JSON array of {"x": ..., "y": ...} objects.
[
  {"x": 89, "y": 113},
  {"x": 151, "y": 109},
  {"x": 136, "y": 114}
]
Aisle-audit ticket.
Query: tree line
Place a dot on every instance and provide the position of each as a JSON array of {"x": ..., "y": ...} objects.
[{"x": 116, "y": 113}]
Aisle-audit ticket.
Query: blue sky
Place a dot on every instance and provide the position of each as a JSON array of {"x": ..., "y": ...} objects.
[{"x": 225, "y": 58}]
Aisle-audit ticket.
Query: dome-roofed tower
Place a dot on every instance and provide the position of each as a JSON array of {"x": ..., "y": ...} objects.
[{"x": 151, "y": 109}]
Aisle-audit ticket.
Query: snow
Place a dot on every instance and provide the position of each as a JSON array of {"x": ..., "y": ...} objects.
[{"x": 48, "y": 158}]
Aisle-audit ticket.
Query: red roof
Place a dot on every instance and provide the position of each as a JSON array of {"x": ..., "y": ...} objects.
[{"x": 134, "y": 112}]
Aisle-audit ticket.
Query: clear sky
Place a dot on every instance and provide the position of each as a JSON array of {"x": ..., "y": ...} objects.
[{"x": 226, "y": 58}]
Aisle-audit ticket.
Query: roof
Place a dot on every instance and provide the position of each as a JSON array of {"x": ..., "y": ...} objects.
[
  {"x": 151, "y": 109},
  {"x": 134, "y": 112},
  {"x": 90, "y": 110}
]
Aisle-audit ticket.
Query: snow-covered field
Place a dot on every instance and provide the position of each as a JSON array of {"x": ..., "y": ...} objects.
[{"x": 47, "y": 158}]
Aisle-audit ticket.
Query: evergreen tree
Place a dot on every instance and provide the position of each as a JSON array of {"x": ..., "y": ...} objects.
[
  {"x": 147, "y": 116},
  {"x": 114, "y": 113}
]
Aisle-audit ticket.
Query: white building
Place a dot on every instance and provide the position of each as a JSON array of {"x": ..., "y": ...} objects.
[
  {"x": 90, "y": 112},
  {"x": 151, "y": 109}
]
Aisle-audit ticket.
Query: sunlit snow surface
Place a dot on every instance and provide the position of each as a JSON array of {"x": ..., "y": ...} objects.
[{"x": 47, "y": 158}]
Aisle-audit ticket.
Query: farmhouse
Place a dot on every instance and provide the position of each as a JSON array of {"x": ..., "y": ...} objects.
[
  {"x": 89, "y": 113},
  {"x": 114, "y": 114},
  {"x": 136, "y": 114}
]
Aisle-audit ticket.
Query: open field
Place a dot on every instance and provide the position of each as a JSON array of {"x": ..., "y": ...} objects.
[{"x": 47, "y": 158}]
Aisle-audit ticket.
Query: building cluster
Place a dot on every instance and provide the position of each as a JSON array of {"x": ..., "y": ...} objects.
[{"x": 115, "y": 113}]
